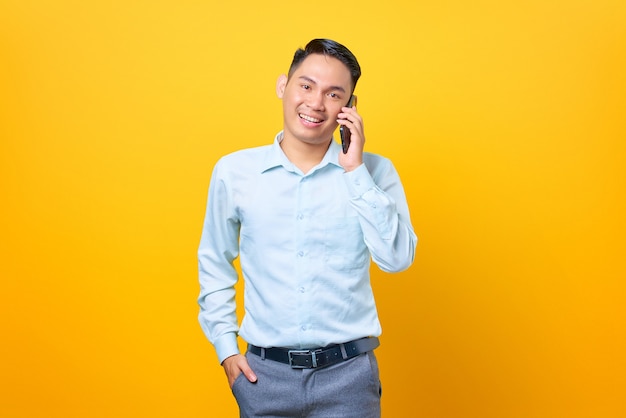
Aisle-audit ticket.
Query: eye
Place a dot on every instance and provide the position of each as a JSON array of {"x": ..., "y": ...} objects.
[
  {"x": 334, "y": 95},
  {"x": 306, "y": 86}
]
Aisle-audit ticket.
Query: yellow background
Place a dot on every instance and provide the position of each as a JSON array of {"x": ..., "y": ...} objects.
[{"x": 506, "y": 121}]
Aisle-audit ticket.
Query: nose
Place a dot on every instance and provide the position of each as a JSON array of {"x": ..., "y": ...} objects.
[{"x": 316, "y": 101}]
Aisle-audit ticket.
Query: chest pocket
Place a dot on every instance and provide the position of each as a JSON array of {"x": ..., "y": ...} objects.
[{"x": 344, "y": 248}]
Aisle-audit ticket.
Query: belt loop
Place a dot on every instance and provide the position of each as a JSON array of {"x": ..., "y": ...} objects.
[
  {"x": 262, "y": 353},
  {"x": 342, "y": 347}
]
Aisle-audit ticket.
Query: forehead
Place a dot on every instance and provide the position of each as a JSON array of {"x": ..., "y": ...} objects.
[{"x": 324, "y": 70}]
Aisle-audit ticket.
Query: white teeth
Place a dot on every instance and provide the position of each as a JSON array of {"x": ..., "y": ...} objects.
[{"x": 309, "y": 118}]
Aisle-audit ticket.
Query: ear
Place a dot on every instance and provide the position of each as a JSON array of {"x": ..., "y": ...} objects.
[{"x": 280, "y": 86}]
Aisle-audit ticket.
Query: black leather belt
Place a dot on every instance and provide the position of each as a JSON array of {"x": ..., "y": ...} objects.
[{"x": 316, "y": 357}]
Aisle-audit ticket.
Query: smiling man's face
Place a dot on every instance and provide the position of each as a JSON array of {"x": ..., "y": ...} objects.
[{"x": 313, "y": 97}]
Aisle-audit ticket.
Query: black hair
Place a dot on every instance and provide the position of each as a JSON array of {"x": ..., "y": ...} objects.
[{"x": 332, "y": 49}]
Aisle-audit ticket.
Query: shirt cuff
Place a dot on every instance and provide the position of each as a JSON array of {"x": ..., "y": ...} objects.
[
  {"x": 359, "y": 181},
  {"x": 226, "y": 346}
]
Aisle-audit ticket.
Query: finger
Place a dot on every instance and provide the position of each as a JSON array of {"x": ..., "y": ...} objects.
[
  {"x": 345, "y": 122},
  {"x": 247, "y": 371},
  {"x": 348, "y": 111},
  {"x": 346, "y": 118}
]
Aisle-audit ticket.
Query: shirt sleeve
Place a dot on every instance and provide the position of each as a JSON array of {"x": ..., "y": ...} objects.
[
  {"x": 378, "y": 197},
  {"x": 219, "y": 247}
]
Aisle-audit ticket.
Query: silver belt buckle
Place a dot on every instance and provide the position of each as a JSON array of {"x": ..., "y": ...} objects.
[{"x": 290, "y": 353}]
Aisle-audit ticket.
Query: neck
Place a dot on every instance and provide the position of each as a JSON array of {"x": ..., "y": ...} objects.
[{"x": 302, "y": 155}]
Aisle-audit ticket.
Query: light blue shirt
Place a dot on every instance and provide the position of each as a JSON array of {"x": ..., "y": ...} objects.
[{"x": 305, "y": 242}]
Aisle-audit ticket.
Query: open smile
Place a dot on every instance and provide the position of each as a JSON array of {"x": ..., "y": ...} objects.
[{"x": 310, "y": 119}]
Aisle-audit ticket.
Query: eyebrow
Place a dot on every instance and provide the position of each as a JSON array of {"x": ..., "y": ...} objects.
[{"x": 311, "y": 81}]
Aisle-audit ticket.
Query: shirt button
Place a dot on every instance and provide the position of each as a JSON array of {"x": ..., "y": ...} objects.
[
  {"x": 300, "y": 253},
  {"x": 301, "y": 290},
  {"x": 300, "y": 217},
  {"x": 303, "y": 327}
]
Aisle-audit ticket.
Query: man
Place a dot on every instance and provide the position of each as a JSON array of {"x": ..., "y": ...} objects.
[{"x": 305, "y": 219}]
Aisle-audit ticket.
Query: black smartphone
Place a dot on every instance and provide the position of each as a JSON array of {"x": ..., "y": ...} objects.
[{"x": 344, "y": 131}]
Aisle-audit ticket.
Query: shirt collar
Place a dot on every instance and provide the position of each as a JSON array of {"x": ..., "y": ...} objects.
[{"x": 276, "y": 157}]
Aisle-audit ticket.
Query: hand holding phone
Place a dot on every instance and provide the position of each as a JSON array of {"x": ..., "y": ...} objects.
[{"x": 344, "y": 131}]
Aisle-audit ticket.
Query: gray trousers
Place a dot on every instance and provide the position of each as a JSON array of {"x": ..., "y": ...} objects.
[{"x": 348, "y": 389}]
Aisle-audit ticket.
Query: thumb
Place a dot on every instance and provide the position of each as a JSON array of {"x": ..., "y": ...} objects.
[{"x": 250, "y": 375}]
